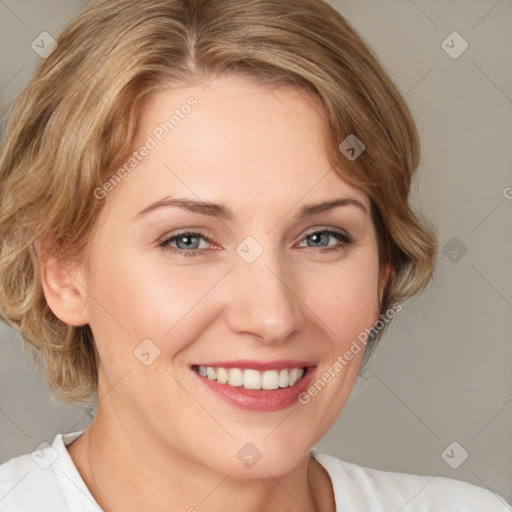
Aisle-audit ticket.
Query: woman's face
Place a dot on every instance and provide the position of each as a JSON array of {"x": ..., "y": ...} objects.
[{"x": 255, "y": 290}]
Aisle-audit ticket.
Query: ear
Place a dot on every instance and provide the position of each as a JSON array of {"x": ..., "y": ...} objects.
[
  {"x": 384, "y": 274},
  {"x": 64, "y": 293}
]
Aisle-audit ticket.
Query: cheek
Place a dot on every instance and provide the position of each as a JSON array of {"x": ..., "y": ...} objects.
[
  {"x": 136, "y": 298},
  {"x": 345, "y": 295}
]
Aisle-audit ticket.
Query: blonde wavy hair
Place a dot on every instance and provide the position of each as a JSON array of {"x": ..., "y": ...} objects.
[{"x": 75, "y": 121}]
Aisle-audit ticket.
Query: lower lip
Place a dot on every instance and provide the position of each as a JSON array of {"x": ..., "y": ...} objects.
[{"x": 260, "y": 399}]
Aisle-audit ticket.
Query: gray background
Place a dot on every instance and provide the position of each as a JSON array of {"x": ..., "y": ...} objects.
[{"x": 442, "y": 372}]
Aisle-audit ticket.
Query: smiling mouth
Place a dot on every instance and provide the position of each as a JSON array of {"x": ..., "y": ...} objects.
[{"x": 248, "y": 378}]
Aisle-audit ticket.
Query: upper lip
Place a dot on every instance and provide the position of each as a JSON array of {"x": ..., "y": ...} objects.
[{"x": 259, "y": 365}]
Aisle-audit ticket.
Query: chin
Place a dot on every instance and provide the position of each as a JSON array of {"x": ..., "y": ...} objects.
[{"x": 259, "y": 458}]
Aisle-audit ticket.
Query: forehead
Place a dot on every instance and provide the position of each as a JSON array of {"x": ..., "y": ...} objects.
[{"x": 233, "y": 141}]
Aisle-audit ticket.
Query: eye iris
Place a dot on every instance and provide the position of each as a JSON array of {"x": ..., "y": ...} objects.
[
  {"x": 188, "y": 243},
  {"x": 316, "y": 237}
]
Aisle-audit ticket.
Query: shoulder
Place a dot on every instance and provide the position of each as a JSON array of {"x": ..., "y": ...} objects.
[
  {"x": 26, "y": 483},
  {"x": 45, "y": 480},
  {"x": 363, "y": 488}
]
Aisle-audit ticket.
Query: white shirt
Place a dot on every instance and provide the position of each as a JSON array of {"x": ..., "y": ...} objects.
[{"x": 48, "y": 481}]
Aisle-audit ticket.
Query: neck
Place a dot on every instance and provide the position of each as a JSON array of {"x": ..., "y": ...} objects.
[{"x": 146, "y": 475}]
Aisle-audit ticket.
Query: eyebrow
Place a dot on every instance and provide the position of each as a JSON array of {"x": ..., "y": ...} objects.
[{"x": 220, "y": 211}]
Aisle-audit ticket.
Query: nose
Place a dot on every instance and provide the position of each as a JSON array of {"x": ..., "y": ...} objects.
[{"x": 264, "y": 300}]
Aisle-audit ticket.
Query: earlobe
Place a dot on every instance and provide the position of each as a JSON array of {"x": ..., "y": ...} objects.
[{"x": 63, "y": 293}]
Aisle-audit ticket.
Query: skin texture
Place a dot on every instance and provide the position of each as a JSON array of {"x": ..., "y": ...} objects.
[{"x": 161, "y": 437}]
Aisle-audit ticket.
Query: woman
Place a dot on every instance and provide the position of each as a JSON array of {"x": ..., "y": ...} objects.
[{"x": 206, "y": 231}]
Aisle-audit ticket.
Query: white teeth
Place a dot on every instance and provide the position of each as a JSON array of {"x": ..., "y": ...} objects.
[
  {"x": 252, "y": 379},
  {"x": 269, "y": 380},
  {"x": 295, "y": 375},
  {"x": 283, "y": 378},
  {"x": 211, "y": 373},
  {"x": 222, "y": 375},
  {"x": 236, "y": 377}
]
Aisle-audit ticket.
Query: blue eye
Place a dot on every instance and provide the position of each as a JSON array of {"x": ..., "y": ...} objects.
[
  {"x": 323, "y": 236},
  {"x": 188, "y": 242}
]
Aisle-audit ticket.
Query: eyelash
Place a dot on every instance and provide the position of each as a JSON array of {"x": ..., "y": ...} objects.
[{"x": 344, "y": 238}]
